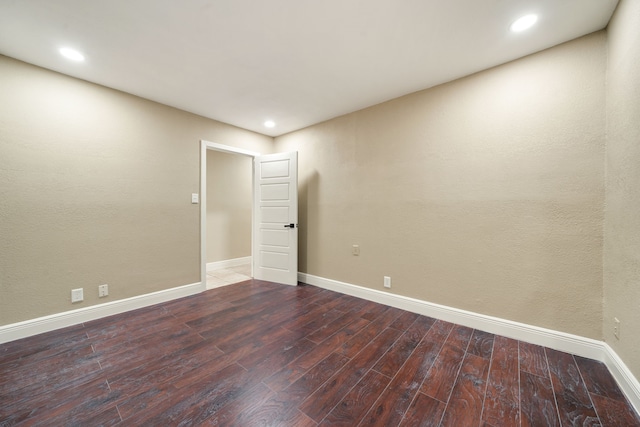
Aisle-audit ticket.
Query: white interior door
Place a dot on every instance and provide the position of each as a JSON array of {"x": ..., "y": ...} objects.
[{"x": 275, "y": 222}]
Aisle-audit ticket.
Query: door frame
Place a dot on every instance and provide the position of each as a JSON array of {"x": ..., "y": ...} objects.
[{"x": 204, "y": 146}]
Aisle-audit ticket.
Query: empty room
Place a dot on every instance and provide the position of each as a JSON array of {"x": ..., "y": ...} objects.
[{"x": 293, "y": 213}]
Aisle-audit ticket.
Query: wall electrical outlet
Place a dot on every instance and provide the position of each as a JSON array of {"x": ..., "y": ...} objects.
[
  {"x": 387, "y": 282},
  {"x": 355, "y": 250},
  {"x": 77, "y": 295},
  {"x": 103, "y": 291},
  {"x": 616, "y": 327}
]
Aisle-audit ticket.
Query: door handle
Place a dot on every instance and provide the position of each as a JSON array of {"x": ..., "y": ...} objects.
[{"x": 289, "y": 226}]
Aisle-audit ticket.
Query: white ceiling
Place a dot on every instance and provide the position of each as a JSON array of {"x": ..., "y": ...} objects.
[{"x": 297, "y": 62}]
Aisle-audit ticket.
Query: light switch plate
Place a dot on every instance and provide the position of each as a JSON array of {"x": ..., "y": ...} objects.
[
  {"x": 77, "y": 295},
  {"x": 195, "y": 199}
]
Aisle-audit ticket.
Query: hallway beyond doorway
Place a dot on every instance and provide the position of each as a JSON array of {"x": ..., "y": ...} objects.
[{"x": 228, "y": 275}]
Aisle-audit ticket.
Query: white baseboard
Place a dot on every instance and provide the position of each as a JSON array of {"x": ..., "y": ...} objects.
[
  {"x": 627, "y": 382},
  {"x": 234, "y": 262},
  {"x": 569, "y": 343},
  {"x": 40, "y": 325}
]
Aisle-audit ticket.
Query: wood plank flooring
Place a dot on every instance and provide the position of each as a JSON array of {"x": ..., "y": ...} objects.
[{"x": 261, "y": 354}]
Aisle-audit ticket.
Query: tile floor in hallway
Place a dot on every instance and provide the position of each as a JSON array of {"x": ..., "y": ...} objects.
[{"x": 228, "y": 276}]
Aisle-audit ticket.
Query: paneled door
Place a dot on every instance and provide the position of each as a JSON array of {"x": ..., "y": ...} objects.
[{"x": 275, "y": 222}]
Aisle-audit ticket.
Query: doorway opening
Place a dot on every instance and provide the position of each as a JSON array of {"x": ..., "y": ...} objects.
[
  {"x": 274, "y": 214},
  {"x": 226, "y": 211}
]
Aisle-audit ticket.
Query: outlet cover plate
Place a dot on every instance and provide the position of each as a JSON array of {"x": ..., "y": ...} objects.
[{"x": 103, "y": 291}]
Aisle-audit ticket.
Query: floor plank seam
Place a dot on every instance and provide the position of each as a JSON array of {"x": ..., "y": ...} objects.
[
  {"x": 595, "y": 409},
  {"x": 486, "y": 384},
  {"x": 119, "y": 414},
  {"x": 417, "y": 393},
  {"x": 553, "y": 389},
  {"x": 455, "y": 382},
  {"x": 394, "y": 376},
  {"x": 519, "y": 388}
]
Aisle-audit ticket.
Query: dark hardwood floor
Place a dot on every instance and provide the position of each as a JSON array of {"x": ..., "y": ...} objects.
[{"x": 257, "y": 353}]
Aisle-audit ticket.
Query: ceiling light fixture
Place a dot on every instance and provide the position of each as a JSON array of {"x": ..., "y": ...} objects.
[
  {"x": 269, "y": 123},
  {"x": 524, "y": 23},
  {"x": 71, "y": 54}
]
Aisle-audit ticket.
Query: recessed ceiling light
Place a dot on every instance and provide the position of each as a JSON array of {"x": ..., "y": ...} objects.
[
  {"x": 524, "y": 23},
  {"x": 269, "y": 123},
  {"x": 71, "y": 54}
]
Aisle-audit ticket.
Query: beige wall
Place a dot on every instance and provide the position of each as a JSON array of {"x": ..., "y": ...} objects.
[
  {"x": 484, "y": 194},
  {"x": 622, "y": 212},
  {"x": 95, "y": 187},
  {"x": 229, "y": 201}
]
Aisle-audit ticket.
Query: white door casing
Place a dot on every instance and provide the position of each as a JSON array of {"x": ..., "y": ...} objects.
[{"x": 275, "y": 221}]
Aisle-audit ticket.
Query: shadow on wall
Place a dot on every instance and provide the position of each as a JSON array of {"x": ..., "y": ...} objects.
[{"x": 307, "y": 196}]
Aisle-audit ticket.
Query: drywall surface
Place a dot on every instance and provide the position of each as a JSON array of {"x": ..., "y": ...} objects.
[
  {"x": 484, "y": 194},
  {"x": 622, "y": 212},
  {"x": 229, "y": 200},
  {"x": 95, "y": 187}
]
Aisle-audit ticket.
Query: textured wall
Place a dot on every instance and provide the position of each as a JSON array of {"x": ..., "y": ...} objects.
[
  {"x": 229, "y": 201},
  {"x": 95, "y": 187},
  {"x": 484, "y": 194},
  {"x": 622, "y": 212}
]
